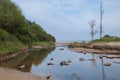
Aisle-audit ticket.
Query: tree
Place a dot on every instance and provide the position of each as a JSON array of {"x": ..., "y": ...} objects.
[
  {"x": 93, "y": 32},
  {"x": 101, "y": 19}
]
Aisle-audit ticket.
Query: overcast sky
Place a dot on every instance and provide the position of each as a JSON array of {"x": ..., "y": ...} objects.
[{"x": 68, "y": 20}]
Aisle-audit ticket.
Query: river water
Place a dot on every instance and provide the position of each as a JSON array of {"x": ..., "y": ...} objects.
[{"x": 82, "y": 66}]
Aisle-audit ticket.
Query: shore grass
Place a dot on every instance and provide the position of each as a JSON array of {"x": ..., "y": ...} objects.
[
  {"x": 78, "y": 44},
  {"x": 11, "y": 47},
  {"x": 43, "y": 43},
  {"x": 107, "y": 39}
]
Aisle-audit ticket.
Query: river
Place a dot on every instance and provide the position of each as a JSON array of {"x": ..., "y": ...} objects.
[{"x": 82, "y": 66}]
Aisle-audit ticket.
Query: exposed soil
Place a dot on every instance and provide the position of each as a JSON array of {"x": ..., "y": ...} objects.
[
  {"x": 87, "y": 50},
  {"x": 9, "y": 74}
]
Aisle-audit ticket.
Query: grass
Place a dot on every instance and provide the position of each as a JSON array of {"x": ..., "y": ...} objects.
[
  {"x": 8, "y": 47},
  {"x": 107, "y": 39},
  {"x": 9, "y": 43},
  {"x": 43, "y": 43},
  {"x": 77, "y": 44}
]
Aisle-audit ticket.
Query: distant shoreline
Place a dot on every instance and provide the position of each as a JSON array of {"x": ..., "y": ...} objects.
[
  {"x": 87, "y": 50},
  {"x": 105, "y": 48}
]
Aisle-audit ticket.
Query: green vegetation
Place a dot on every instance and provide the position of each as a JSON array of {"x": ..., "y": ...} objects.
[
  {"x": 104, "y": 39},
  {"x": 78, "y": 44},
  {"x": 9, "y": 43},
  {"x": 43, "y": 43},
  {"x": 38, "y": 34},
  {"x": 16, "y": 32},
  {"x": 11, "y": 47},
  {"x": 107, "y": 38}
]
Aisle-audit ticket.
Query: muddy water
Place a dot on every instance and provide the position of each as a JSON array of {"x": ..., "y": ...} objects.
[{"x": 80, "y": 66}]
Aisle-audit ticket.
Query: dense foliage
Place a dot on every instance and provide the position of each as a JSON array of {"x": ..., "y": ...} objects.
[{"x": 14, "y": 25}]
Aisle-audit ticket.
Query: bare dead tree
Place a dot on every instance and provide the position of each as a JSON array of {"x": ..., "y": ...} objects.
[
  {"x": 101, "y": 19},
  {"x": 93, "y": 32}
]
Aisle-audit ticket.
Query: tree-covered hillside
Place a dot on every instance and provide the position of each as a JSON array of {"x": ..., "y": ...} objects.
[
  {"x": 13, "y": 22},
  {"x": 16, "y": 31}
]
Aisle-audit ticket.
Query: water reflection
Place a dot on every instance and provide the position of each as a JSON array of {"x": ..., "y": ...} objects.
[
  {"x": 75, "y": 76},
  {"x": 103, "y": 72},
  {"x": 35, "y": 56},
  {"x": 91, "y": 68}
]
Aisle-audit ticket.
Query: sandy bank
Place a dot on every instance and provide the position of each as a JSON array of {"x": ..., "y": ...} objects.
[
  {"x": 112, "y": 47},
  {"x": 10, "y": 74},
  {"x": 87, "y": 50}
]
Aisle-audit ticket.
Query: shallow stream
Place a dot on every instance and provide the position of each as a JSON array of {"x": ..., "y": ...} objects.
[{"x": 80, "y": 66}]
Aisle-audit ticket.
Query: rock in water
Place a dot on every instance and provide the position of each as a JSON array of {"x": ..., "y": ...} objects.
[
  {"x": 21, "y": 67},
  {"x": 49, "y": 76},
  {"x": 61, "y": 48},
  {"x": 107, "y": 64},
  {"x": 81, "y": 59},
  {"x": 51, "y": 59},
  {"x": 63, "y": 63},
  {"x": 50, "y": 63}
]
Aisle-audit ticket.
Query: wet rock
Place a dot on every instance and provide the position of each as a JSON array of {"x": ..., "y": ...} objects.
[
  {"x": 107, "y": 64},
  {"x": 50, "y": 63},
  {"x": 61, "y": 48},
  {"x": 49, "y": 76},
  {"x": 81, "y": 59},
  {"x": 100, "y": 56},
  {"x": 110, "y": 57},
  {"x": 85, "y": 53},
  {"x": 91, "y": 59},
  {"x": 51, "y": 59},
  {"x": 21, "y": 67},
  {"x": 64, "y": 63}
]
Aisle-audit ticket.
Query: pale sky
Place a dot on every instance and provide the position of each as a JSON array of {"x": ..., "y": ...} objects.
[{"x": 67, "y": 20}]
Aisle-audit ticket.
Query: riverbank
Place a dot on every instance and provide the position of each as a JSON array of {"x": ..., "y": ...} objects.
[
  {"x": 38, "y": 45},
  {"x": 87, "y": 50},
  {"x": 12, "y": 50},
  {"x": 10, "y": 74},
  {"x": 18, "y": 61},
  {"x": 14, "y": 54},
  {"x": 109, "y": 48},
  {"x": 9, "y": 47}
]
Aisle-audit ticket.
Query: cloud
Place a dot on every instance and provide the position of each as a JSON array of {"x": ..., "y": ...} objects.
[{"x": 68, "y": 19}]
